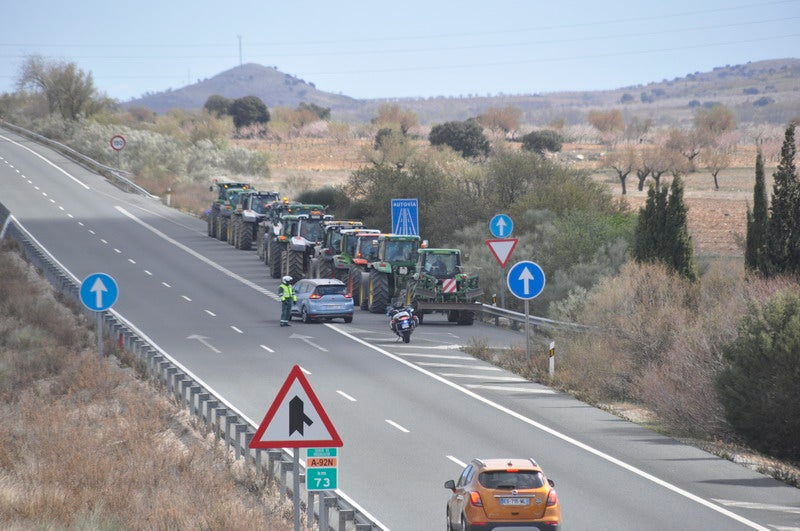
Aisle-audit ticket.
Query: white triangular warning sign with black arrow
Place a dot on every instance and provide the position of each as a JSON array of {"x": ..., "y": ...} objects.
[{"x": 296, "y": 418}]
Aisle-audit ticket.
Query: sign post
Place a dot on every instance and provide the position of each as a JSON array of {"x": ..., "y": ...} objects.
[
  {"x": 501, "y": 226},
  {"x": 297, "y": 420},
  {"x": 99, "y": 292},
  {"x": 118, "y": 144},
  {"x": 526, "y": 281}
]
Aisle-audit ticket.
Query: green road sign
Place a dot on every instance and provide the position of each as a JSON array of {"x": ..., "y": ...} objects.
[{"x": 322, "y": 467}]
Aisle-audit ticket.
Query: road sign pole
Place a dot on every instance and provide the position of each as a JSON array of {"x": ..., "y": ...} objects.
[
  {"x": 527, "y": 330},
  {"x": 503, "y": 288},
  {"x": 99, "y": 333},
  {"x": 296, "y": 489}
]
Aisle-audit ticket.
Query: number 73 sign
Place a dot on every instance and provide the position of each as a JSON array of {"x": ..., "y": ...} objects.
[{"x": 322, "y": 467}]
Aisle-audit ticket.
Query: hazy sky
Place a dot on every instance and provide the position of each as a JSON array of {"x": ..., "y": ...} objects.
[{"x": 408, "y": 48}]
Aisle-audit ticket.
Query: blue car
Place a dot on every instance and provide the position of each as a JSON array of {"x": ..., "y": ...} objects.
[{"x": 322, "y": 298}]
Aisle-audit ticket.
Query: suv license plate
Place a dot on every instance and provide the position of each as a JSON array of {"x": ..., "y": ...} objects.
[{"x": 514, "y": 501}]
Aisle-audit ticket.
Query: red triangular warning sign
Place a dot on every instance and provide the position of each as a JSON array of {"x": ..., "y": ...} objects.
[
  {"x": 502, "y": 249},
  {"x": 296, "y": 418}
]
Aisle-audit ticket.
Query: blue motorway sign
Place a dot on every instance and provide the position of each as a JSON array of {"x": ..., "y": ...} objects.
[
  {"x": 99, "y": 292},
  {"x": 501, "y": 226},
  {"x": 525, "y": 280},
  {"x": 405, "y": 216}
]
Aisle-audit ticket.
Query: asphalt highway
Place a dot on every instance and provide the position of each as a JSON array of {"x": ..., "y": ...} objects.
[{"x": 410, "y": 415}]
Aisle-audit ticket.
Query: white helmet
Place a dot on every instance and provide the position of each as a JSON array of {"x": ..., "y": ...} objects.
[{"x": 287, "y": 279}]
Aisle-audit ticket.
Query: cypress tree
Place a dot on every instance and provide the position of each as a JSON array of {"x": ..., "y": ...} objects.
[
  {"x": 783, "y": 241},
  {"x": 757, "y": 222},
  {"x": 678, "y": 252}
]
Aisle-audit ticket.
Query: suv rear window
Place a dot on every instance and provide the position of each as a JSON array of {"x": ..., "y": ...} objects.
[
  {"x": 508, "y": 480},
  {"x": 331, "y": 290}
]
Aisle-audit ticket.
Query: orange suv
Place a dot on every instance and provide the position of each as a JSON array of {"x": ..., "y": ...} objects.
[{"x": 494, "y": 493}]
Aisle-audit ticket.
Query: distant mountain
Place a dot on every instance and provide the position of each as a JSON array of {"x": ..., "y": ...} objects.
[
  {"x": 275, "y": 89},
  {"x": 759, "y": 92}
]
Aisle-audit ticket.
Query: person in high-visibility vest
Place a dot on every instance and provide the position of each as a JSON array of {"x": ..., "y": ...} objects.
[{"x": 287, "y": 296}]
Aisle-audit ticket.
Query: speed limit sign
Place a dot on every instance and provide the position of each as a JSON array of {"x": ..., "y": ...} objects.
[{"x": 117, "y": 142}]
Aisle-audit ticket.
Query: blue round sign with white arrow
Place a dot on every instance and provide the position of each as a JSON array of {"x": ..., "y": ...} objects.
[
  {"x": 525, "y": 280},
  {"x": 501, "y": 226},
  {"x": 99, "y": 292}
]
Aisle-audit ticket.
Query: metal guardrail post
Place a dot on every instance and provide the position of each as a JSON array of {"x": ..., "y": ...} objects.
[
  {"x": 345, "y": 515},
  {"x": 241, "y": 447}
]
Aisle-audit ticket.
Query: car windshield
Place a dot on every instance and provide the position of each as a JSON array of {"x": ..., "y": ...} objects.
[
  {"x": 331, "y": 290},
  {"x": 509, "y": 480}
]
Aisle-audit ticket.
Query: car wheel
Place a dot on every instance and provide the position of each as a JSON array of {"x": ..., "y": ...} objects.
[
  {"x": 304, "y": 315},
  {"x": 348, "y": 319},
  {"x": 449, "y": 523},
  {"x": 464, "y": 523}
]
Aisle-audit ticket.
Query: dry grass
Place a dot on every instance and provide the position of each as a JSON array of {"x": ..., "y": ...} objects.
[{"x": 84, "y": 444}]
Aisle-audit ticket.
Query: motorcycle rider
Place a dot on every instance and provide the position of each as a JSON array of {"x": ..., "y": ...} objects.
[{"x": 287, "y": 297}]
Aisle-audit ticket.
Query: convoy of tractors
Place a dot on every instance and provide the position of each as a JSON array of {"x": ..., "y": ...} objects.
[{"x": 303, "y": 241}]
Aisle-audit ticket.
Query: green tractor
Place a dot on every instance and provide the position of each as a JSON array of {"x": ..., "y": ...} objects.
[
  {"x": 252, "y": 209},
  {"x": 439, "y": 284},
  {"x": 220, "y": 212},
  {"x": 362, "y": 248},
  {"x": 386, "y": 277},
  {"x": 293, "y": 233}
]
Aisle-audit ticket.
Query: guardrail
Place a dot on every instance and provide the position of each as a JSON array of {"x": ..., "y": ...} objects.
[
  {"x": 217, "y": 414},
  {"x": 515, "y": 319},
  {"x": 116, "y": 175}
]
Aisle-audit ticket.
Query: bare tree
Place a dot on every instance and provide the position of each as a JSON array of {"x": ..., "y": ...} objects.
[
  {"x": 505, "y": 120},
  {"x": 622, "y": 161},
  {"x": 716, "y": 160},
  {"x": 395, "y": 117},
  {"x": 67, "y": 89}
]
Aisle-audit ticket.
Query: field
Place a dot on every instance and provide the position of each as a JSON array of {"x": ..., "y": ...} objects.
[{"x": 717, "y": 218}]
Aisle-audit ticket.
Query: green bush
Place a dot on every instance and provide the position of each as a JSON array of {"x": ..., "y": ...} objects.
[{"x": 758, "y": 384}]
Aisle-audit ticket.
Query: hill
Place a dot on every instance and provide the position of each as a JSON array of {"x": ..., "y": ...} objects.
[
  {"x": 275, "y": 88},
  {"x": 759, "y": 92}
]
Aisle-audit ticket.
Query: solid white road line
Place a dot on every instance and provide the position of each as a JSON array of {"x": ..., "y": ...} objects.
[
  {"x": 459, "y": 366},
  {"x": 484, "y": 377},
  {"x": 456, "y": 461},
  {"x": 543, "y": 391}
]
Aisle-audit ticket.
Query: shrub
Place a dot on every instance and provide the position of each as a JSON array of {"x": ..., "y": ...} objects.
[
  {"x": 541, "y": 141},
  {"x": 758, "y": 383}
]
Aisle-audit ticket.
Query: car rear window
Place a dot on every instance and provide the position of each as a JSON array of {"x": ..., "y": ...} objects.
[
  {"x": 331, "y": 290},
  {"x": 504, "y": 479}
]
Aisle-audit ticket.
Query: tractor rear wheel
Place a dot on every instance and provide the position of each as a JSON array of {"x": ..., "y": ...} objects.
[
  {"x": 324, "y": 269},
  {"x": 212, "y": 229},
  {"x": 222, "y": 229},
  {"x": 378, "y": 291},
  {"x": 245, "y": 236},
  {"x": 293, "y": 264},
  {"x": 274, "y": 259}
]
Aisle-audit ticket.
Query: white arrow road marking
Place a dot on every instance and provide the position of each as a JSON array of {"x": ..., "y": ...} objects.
[
  {"x": 307, "y": 340},
  {"x": 98, "y": 288},
  {"x": 202, "y": 340}
]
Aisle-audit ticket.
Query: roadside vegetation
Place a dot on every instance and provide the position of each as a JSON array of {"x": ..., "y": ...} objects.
[
  {"x": 673, "y": 334},
  {"x": 86, "y": 443}
]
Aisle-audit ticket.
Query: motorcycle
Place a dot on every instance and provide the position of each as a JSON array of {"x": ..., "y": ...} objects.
[{"x": 402, "y": 321}]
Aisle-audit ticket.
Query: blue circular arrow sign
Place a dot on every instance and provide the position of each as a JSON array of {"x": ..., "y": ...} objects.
[
  {"x": 525, "y": 280},
  {"x": 501, "y": 226},
  {"x": 99, "y": 292}
]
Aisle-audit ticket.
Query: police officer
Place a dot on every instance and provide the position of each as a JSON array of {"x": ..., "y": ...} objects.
[{"x": 287, "y": 298}]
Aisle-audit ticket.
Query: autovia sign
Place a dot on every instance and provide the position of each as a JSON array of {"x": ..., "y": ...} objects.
[{"x": 405, "y": 216}]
